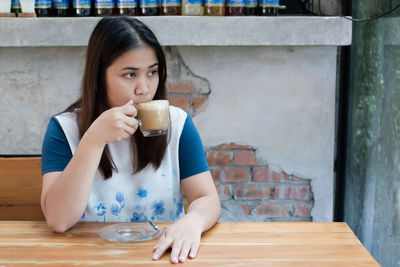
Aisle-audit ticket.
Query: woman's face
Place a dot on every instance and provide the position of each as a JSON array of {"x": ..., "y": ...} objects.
[{"x": 134, "y": 75}]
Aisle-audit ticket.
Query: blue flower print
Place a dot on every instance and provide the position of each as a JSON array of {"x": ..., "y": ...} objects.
[
  {"x": 138, "y": 217},
  {"x": 158, "y": 209},
  {"x": 117, "y": 208},
  {"x": 119, "y": 197},
  {"x": 101, "y": 210},
  {"x": 179, "y": 207},
  {"x": 142, "y": 193}
]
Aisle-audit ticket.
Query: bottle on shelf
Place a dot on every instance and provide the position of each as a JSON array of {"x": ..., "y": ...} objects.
[
  {"x": 250, "y": 7},
  {"x": 268, "y": 7},
  {"x": 171, "y": 7},
  {"x": 103, "y": 7},
  {"x": 192, "y": 8},
  {"x": 214, "y": 7},
  {"x": 127, "y": 7},
  {"x": 43, "y": 8},
  {"x": 81, "y": 8},
  {"x": 149, "y": 8},
  {"x": 15, "y": 7},
  {"x": 61, "y": 8},
  {"x": 235, "y": 8}
]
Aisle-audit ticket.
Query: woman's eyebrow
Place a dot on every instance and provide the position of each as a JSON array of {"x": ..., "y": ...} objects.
[
  {"x": 155, "y": 64},
  {"x": 130, "y": 68},
  {"x": 134, "y": 68}
]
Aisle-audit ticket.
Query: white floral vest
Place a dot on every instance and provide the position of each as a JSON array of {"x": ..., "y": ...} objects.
[{"x": 149, "y": 194}]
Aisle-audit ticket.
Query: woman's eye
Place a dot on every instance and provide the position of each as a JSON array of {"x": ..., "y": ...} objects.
[
  {"x": 152, "y": 73},
  {"x": 130, "y": 75}
]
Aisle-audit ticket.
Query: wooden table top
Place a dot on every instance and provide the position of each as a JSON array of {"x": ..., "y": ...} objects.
[{"x": 28, "y": 243}]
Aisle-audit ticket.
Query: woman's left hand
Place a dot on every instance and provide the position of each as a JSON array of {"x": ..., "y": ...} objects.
[{"x": 183, "y": 237}]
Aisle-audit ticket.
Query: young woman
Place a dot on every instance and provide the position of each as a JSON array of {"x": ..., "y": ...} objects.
[{"x": 96, "y": 164}]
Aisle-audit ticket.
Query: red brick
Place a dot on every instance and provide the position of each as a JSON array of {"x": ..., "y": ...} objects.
[
  {"x": 224, "y": 192},
  {"x": 177, "y": 87},
  {"x": 266, "y": 175},
  {"x": 182, "y": 102},
  {"x": 245, "y": 209},
  {"x": 244, "y": 158},
  {"x": 276, "y": 192},
  {"x": 248, "y": 192},
  {"x": 268, "y": 192},
  {"x": 296, "y": 192},
  {"x": 232, "y": 146},
  {"x": 198, "y": 103},
  {"x": 236, "y": 175},
  {"x": 302, "y": 210},
  {"x": 285, "y": 177},
  {"x": 270, "y": 210},
  {"x": 218, "y": 158},
  {"x": 272, "y": 192}
]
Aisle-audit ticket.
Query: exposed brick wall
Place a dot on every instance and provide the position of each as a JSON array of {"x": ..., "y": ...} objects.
[
  {"x": 185, "y": 89},
  {"x": 184, "y": 96},
  {"x": 250, "y": 191}
]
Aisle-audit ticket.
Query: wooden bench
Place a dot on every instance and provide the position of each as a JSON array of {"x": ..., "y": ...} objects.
[{"x": 20, "y": 188}]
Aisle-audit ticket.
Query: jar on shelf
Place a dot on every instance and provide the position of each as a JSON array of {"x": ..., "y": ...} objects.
[
  {"x": 171, "y": 7},
  {"x": 103, "y": 7},
  {"x": 43, "y": 8},
  {"x": 61, "y": 8},
  {"x": 127, "y": 7},
  {"x": 192, "y": 8},
  {"x": 235, "y": 8},
  {"x": 214, "y": 7},
  {"x": 149, "y": 8}
]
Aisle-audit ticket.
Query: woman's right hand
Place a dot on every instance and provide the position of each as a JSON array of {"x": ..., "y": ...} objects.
[{"x": 114, "y": 124}]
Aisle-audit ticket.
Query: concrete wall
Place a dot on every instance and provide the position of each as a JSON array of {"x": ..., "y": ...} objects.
[{"x": 278, "y": 102}]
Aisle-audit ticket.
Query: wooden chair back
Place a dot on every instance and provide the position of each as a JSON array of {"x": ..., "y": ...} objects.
[{"x": 20, "y": 188}]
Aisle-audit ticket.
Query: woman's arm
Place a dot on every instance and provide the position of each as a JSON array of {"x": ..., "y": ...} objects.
[
  {"x": 203, "y": 212},
  {"x": 65, "y": 194}
]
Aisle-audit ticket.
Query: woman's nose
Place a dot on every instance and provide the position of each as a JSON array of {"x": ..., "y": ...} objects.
[{"x": 141, "y": 86}]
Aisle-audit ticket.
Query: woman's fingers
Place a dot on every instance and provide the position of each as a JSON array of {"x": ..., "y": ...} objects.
[
  {"x": 176, "y": 249},
  {"x": 129, "y": 109},
  {"x": 131, "y": 121},
  {"x": 163, "y": 245},
  {"x": 194, "y": 247},
  {"x": 184, "y": 252}
]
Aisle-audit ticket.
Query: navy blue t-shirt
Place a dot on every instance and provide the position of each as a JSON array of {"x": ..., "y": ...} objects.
[{"x": 56, "y": 152}]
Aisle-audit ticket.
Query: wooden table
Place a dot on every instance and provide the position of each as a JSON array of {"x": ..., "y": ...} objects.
[{"x": 227, "y": 244}]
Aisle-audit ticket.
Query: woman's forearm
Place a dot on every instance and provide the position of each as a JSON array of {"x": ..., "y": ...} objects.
[
  {"x": 205, "y": 211},
  {"x": 68, "y": 196}
]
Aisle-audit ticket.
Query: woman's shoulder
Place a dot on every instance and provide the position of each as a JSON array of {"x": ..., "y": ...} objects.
[
  {"x": 67, "y": 115},
  {"x": 177, "y": 114},
  {"x": 68, "y": 121}
]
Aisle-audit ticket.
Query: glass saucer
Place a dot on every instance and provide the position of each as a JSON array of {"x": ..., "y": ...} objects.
[{"x": 130, "y": 232}]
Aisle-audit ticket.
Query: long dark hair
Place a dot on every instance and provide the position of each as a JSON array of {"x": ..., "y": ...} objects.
[{"x": 112, "y": 37}]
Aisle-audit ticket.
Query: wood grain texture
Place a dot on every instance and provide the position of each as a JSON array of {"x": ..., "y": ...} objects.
[
  {"x": 227, "y": 244},
  {"x": 20, "y": 188}
]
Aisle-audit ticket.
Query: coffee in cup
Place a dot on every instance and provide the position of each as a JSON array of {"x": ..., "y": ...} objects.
[{"x": 153, "y": 116}]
